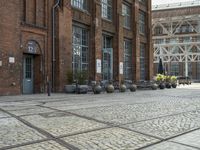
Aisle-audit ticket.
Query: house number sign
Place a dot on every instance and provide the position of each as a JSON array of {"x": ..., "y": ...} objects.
[{"x": 31, "y": 47}]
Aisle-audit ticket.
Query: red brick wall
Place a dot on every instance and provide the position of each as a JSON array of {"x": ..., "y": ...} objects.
[
  {"x": 33, "y": 21},
  {"x": 10, "y": 79}
]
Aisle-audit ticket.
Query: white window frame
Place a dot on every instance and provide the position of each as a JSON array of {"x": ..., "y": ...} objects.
[
  {"x": 80, "y": 49},
  {"x": 80, "y": 4},
  {"x": 106, "y": 9},
  {"x": 128, "y": 60}
]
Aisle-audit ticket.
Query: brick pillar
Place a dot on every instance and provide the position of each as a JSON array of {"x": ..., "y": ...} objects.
[
  {"x": 118, "y": 46},
  {"x": 149, "y": 42},
  {"x": 136, "y": 42},
  {"x": 64, "y": 47},
  {"x": 97, "y": 39}
]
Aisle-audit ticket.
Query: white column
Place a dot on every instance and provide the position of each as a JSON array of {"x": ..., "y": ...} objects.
[
  {"x": 186, "y": 61},
  {"x": 186, "y": 66}
]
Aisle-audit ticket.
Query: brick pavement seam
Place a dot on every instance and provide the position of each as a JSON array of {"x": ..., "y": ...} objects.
[
  {"x": 80, "y": 116},
  {"x": 24, "y": 144},
  {"x": 168, "y": 139},
  {"x": 119, "y": 126},
  {"x": 43, "y": 132},
  {"x": 109, "y": 126},
  {"x": 112, "y": 124},
  {"x": 184, "y": 112},
  {"x": 185, "y": 145}
]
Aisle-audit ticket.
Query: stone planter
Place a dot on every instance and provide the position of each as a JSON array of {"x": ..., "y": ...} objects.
[
  {"x": 162, "y": 86},
  {"x": 168, "y": 85},
  {"x": 133, "y": 87},
  {"x": 110, "y": 88},
  {"x": 174, "y": 85},
  {"x": 122, "y": 88},
  {"x": 154, "y": 86},
  {"x": 97, "y": 89},
  {"x": 70, "y": 88},
  {"x": 82, "y": 89}
]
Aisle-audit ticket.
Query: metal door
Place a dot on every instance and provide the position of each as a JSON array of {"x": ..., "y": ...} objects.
[
  {"x": 28, "y": 75},
  {"x": 107, "y": 64}
]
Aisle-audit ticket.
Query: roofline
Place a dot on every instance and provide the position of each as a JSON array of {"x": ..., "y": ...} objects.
[{"x": 176, "y": 5}]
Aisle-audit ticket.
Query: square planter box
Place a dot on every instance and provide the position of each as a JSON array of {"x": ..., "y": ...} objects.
[
  {"x": 82, "y": 89},
  {"x": 70, "y": 88}
]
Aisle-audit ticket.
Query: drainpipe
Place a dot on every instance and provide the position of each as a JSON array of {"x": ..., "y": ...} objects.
[{"x": 53, "y": 44}]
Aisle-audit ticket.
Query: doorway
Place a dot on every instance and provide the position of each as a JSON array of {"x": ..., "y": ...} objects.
[
  {"x": 107, "y": 58},
  {"x": 28, "y": 74}
]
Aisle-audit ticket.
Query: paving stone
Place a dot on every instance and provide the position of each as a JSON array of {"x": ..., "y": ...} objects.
[
  {"x": 118, "y": 108},
  {"x": 112, "y": 138},
  {"x": 49, "y": 145},
  {"x": 30, "y": 110},
  {"x": 70, "y": 105},
  {"x": 3, "y": 115},
  {"x": 169, "y": 146},
  {"x": 14, "y": 132},
  {"x": 192, "y": 139},
  {"x": 126, "y": 113},
  {"x": 59, "y": 124},
  {"x": 170, "y": 126}
]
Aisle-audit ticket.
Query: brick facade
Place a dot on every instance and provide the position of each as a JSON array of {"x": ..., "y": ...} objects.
[{"x": 31, "y": 24}]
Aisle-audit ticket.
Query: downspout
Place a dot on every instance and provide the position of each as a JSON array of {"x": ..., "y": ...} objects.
[{"x": 53, "y": 44}]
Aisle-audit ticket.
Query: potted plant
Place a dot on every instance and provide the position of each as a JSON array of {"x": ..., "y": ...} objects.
[
  {"x": 168, "y": 82},
  {"x": 160, "y": 79},
  {"x": 70, "y": 87},
  {"x": 110, "y": 88},
  {"x": 81, "y": 81},
  {"x": 97, "y": 88},
  {"x": 154, "y": 86},
  {"x": 174, "y": 81},
  {"x": 122, "y": 87}
]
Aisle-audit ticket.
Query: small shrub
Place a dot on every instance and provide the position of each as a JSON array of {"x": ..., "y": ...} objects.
[
  {"x": 173, "y": 79},
  {"x": 160, "y": 78},
  {"x": 69, "y": 77},
  {"x": 168, "y": 78},
  {"x": 81, "y": 76}
]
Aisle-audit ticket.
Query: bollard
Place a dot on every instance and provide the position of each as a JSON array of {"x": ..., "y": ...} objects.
[{"x": 48, "y": 88}]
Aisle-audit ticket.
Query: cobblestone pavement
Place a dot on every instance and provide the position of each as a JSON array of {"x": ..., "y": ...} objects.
[{"x": 151, "y": 120}]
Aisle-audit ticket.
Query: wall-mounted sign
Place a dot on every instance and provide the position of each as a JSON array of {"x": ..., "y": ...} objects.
[
  {"x": 11, "y": 60},
  {"x": 98, "y": 65},
  {"x": 31, "y": 47},
  {"x": 121, "y": 67},
  {"x": 0, "y": 63}
]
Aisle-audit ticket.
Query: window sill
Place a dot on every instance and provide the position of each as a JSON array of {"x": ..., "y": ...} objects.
[
  {"x": 106, "y": 20},
  {"x": 127, "y": 28},
  {"x": 81, "y": 10}
]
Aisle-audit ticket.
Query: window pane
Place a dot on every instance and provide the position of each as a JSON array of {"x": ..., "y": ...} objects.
[
  {"x": 80, "y": 49},
  {"x": 142, "y": 22},
  {"x": 142, "y": 62},
  {"x": 106, "y": 9},
  {"x": 81, "y": 4},
  {"x": 126, "y": 12},
  {"x": 127, "y": 60}
]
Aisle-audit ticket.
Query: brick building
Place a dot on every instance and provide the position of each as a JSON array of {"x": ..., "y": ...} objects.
[
  {"x": 41, "y": 40},
  {"x": 176, "y": 37}
]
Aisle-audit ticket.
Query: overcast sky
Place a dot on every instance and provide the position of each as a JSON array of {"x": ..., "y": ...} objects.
[{"x": 157, "y": 2}]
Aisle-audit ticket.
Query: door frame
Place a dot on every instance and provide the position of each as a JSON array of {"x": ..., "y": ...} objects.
[
  {"x": 109, "y": 51},
  {"x": 32, "y": 73}
]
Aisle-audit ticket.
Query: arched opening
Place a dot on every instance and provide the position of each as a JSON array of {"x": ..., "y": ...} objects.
[{"x": 33, "y": 68}]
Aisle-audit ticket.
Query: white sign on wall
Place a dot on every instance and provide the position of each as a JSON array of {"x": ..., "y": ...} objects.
[
  {"x": 0, "y": 63},
  {"x": 11, "y": 60},
  {"x": 98, "y": 65},
  {"x": 121, "y": 67}
]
